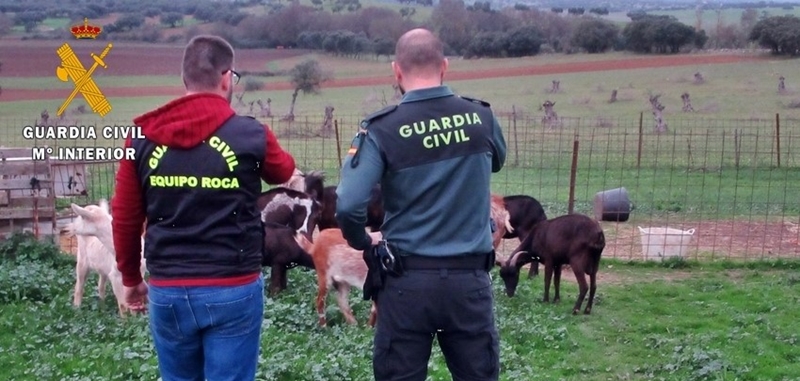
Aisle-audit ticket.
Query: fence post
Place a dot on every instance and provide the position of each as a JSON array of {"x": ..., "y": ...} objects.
[
  {"x": 572, "y": 173},
  {"x": 778, "y": 138},
  {"x": 639, "y": 150},
  {"x": 338, "y": 142},
  {"x": 516, "y": 137}
]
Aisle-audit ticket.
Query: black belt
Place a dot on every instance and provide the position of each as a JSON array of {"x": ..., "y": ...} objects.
[{"x": 461, "y": 262}]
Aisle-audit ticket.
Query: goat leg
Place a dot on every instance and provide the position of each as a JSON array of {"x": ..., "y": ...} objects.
[
  {"x": 101, "y": 287},
  {"x": 81, "y": 271},
  {"x": 592, "y": 289},
  {"x": 548, "y": 276},
  {"x": 580, "y": 276},
  {"x": 557, "y": 283},
  {"x": 322, "y": 293},
  {"x": 342, "y": 292},
  {"x": 275, "y": 282},
  {"x": 534, "y": 270}
]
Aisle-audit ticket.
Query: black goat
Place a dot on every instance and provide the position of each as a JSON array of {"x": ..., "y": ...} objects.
[
  {"x": 524, "y": 212},
  {"x": 375, "y": 213},
  {"x": 282, "y": 252},
  {"x": 573, "y": 239}
]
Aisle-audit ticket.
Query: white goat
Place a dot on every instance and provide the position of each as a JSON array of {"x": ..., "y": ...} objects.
[{"x": 92, "y": 229}]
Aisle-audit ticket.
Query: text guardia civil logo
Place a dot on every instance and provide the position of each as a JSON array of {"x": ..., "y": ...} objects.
[{"x": 71, "y": 68}]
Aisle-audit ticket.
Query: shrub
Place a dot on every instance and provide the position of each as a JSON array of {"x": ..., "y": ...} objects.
[
  {"x": 32, "y": 281},
  {"x": 253, "y": 85},
  {"x": 22, "y": 248}
]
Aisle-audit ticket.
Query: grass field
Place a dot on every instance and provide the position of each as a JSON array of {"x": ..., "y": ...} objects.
[
  {"x": 680, "y": 321},
  {"x": 719, "y": 163}
]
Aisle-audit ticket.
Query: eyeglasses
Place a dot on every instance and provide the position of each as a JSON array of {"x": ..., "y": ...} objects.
[{"x": 236, "y": 76}]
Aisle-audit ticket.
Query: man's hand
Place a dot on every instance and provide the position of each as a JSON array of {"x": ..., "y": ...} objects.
[{"x": 136, "y": 298}]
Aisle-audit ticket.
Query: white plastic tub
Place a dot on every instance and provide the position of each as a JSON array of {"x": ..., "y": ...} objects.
[{"x": 660, "y": 243}]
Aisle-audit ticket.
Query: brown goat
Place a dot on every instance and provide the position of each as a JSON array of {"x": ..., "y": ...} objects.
[
  {"x": 501, "y": 219},
  {"x": 340, "y": 266},
  {"x": 573, "y": 239}
]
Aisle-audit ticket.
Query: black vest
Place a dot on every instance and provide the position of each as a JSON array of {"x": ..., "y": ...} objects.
[{"x": 202, "y": 218}]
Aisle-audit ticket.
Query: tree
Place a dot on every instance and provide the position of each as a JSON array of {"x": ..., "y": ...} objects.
[
  {"x": 487, "y": 44},
  {"x": 5, "y": 24},
  {"x": 171, "y": 19},
  {"x": 129, "y": 21},
  {"x": 29, "y": 19},
  {"x": 449, "y": 19},
  {"x": 152, "y": 12},
  {"x": 524, "y": 41},
  {"x": 576, "y": 11},
  {"x": 749, "y": 19},
  {"x": 595, "y": 35},
  {"x": 599, "y": 11},
  {"x": 206, "y": 12},
  {"x": 383, "y": 47},
  {"x": 661, "y": 34},
  {"x": 307, "y": 77},
  {"x": 779, "y": 33}
]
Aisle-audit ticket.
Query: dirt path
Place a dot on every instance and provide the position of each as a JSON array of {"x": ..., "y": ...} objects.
[{"x": 11, "y": 94}]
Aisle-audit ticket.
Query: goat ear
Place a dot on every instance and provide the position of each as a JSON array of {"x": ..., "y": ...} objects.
[
  {"x": 104, "y": 205},
  {"x": 79, "y": 210}
]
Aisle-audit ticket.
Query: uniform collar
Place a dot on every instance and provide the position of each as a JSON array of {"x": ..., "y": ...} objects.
[{"x": 427, "y": 93}]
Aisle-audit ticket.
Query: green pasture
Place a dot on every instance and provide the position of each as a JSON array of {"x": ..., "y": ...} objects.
[
  {"x": 719, "y": 162},
  {"x": 672, "y": 321},
  {"x": 710, "y": 17},
  {"x": 746, "y": 90},
  {"x": 726, "y": 16}
]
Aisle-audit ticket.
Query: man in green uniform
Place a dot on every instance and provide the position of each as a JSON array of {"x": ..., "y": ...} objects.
[{"x": 433, "y": 155}]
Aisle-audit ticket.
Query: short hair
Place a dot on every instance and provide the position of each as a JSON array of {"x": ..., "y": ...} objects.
[
  {"x": 204, "y": 61},
  {"x": 419, "y": 50}
]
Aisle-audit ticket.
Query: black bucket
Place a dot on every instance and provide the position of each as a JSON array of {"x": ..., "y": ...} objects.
[{"x": 612, "y": 205}]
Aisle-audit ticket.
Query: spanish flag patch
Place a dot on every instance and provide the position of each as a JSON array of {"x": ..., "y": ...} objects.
[{"x": 357, "y": 141}]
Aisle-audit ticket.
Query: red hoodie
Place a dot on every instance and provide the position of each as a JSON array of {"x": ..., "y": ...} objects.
[{"x": 183, "y": 123}]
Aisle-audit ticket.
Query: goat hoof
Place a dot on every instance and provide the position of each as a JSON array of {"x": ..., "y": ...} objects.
[
  {"x": 587, "y": 311},
  {"x": 575, "y": 312}
]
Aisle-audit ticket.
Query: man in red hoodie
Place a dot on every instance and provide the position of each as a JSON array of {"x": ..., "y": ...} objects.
[{"x": 194, "y": 180}]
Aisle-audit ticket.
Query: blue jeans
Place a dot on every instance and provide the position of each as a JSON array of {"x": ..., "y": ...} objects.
[{"x": 207, "y": 333}]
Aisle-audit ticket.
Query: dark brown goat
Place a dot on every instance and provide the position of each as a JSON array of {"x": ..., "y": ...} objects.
[
  {"x": 524, "y": 211},
  {"x": 375, "y": 213},
  {"x": 289, "y": 207},
  {"x": 282, "y": 252},
  {"x": 573, "y": 239}
]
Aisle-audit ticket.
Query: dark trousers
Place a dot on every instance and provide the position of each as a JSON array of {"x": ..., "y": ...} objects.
[{"x": 456, "y": 306}]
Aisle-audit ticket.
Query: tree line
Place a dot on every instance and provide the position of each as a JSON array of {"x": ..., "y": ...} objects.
[{"x": 472, "y": 31}]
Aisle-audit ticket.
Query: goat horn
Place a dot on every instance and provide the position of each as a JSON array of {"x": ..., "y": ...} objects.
[{"x": 515, "y": 257}]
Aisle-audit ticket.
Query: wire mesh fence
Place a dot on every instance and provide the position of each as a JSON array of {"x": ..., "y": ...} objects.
[{"x": 704, "y": 189}]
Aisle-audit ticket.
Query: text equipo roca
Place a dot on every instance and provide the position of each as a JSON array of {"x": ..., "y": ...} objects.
[{"x": 81, "y": 132}]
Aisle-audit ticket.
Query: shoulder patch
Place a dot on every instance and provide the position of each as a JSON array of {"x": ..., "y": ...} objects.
[
  {"x": 478, "y": 101},
  {"x": 377, "y": 114}
]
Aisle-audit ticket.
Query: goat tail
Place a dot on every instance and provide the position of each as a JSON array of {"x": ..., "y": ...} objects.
[{"x": 599, "y": 244}]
